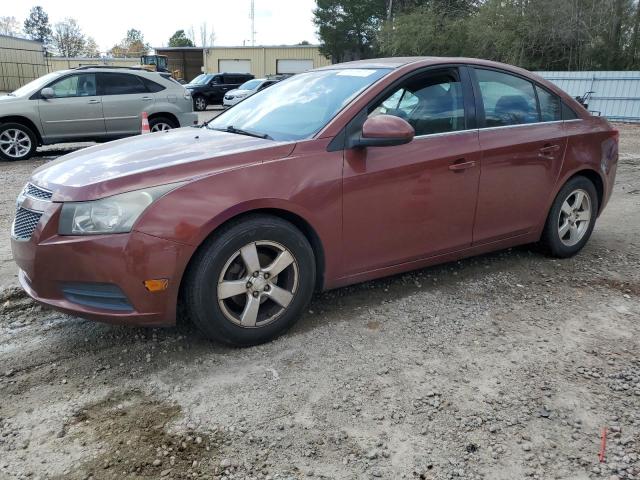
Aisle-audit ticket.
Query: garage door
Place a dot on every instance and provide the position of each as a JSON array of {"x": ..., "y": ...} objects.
[
  {"x": 293, "y": 66},
  {"x": 234, "y": 66}
]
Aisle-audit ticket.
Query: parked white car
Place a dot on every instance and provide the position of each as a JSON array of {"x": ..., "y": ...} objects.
[{"x": 246, "y": 90}]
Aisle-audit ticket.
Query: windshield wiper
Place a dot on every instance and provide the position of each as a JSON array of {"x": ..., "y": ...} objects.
[{"x": 239, "y": 131}]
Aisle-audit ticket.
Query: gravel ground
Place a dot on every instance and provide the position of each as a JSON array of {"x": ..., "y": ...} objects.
[{"x": 504, "y": 366}]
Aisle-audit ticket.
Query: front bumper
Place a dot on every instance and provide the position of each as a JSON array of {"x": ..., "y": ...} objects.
[
  {"x": 231, "y": 102},
  {"x": 54, "y": 268}
]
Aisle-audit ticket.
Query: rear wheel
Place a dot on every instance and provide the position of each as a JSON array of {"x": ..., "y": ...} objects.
[
  {"x": 571, "y": 218},
  {"x": 200, "y": 103},
  {"x": 17, "y": 142},
  {"x": 251, "y": 282},
  {"x": 159, "y": 124}
]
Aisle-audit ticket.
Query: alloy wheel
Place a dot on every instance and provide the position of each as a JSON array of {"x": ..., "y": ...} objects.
[
  {"x": 201, "y": 104},
  {"x": 15, "y": 143},
  {"x": 257, "y": 284},
  {"x": 574, "y": 218},
  {"x": 160, "y": 127}
]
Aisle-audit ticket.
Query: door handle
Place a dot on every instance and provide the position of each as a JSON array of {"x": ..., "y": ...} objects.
[
  {"x": 548, "y": 149},
  {"x": 147, "y": 98},
  {"x": 460, "y": 165},
  {"x": 93, "y": 101}
]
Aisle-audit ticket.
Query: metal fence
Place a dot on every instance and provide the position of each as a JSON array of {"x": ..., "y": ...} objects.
[{"x": 616, "y": 95}]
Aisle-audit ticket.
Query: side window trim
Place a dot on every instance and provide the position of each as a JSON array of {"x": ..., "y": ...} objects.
[
  {"x": 71, "y": 75},
  {"x": 354, "y": 126},
  {"x": 480, "y": 104},
  {"x": 100, "y": 88}
]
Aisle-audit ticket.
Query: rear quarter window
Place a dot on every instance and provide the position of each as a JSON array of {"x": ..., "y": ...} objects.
[
  {"x": 550, "y": 109},
  {"x": 568, "y": 113},
  {"x": 152, "y": 86}
]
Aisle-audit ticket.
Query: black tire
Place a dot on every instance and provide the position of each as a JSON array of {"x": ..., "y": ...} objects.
[
  {"x": 200, "y": 288},
  {"x": 5, "y": 127},
  {"x": 155, "y": 121},
  {"x": 200, "y": 103},
  {"x": 551, "y": 238}
]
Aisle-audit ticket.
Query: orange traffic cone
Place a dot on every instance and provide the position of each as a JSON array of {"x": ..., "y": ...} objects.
[{"x": 145, "y": 123}]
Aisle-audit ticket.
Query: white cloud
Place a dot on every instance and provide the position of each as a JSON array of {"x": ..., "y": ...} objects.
[{"x": 277, "y": 21}]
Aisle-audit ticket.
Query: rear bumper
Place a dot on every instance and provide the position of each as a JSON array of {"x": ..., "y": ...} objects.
[
  {"x": 188, "y": 119},
  {"x": 102, "y": 277}
]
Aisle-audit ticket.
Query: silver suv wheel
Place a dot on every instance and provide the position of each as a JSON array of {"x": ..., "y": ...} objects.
[{"x": 15, "y": 143}]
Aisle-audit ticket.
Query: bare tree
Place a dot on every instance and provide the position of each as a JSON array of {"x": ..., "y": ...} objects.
[
  {"x": 68, "y": 38},
  {"x": 9, "y": 26}
]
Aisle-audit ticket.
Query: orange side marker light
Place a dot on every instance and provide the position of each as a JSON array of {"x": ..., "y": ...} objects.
[{"x": 156, "y": 284}]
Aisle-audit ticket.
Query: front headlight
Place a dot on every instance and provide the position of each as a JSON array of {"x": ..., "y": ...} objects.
[{"x": 115, "y": 214}]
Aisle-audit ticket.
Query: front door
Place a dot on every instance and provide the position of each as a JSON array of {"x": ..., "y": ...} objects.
[
  {"x": 523, "y": 144},
  {"x": 413, "y": 201},
  {"x": 75, "y": 111},
  {"x": 124, "y": 98}
]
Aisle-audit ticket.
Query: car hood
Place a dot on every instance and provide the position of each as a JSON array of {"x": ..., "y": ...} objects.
[
  {"x": 237, "y": 91},
  {"x": 152, "y": 159},
  {"x": 9, "y": 98}
]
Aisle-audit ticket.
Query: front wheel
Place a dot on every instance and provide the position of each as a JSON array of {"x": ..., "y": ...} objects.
[
  {"x": 571, "y": 218},
  {"x": 17, "y": 142},
  {"x": 251, "y": 281}
]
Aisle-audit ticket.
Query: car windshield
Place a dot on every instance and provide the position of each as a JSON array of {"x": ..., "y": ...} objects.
[
  {"x": 298, "y": 107},
  {"x": 201, "y": 79},
  {"x": 36, "y": 84},
  {"x": 250, "y": 85}
]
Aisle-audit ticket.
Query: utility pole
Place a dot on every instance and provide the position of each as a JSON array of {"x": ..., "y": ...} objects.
[{"x": 252, "y": 16}]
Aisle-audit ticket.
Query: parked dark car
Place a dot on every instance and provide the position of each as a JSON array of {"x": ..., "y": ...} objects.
[
  {"x": 210, "y": 88},
  {"x": 335, "y": 176}
]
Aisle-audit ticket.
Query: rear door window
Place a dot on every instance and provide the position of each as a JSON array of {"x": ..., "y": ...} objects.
[
  {"x": 507, "y": 99},
  {"x": 120, "y": 84}
]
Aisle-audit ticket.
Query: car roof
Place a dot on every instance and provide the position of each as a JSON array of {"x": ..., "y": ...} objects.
[{"x": 395, "y": 63}]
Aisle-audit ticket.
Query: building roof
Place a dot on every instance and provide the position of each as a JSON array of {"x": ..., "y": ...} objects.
[{"x": 237, "y": 46}]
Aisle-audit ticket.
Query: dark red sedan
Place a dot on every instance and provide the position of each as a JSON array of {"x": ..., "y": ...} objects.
[{"x": 335, "y": 176}]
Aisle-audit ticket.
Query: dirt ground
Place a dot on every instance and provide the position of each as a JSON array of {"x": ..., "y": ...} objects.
[{"x": 505, "y": 366}]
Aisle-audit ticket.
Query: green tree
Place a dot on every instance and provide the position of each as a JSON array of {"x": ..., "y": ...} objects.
[
  {"x": 434, "y": 28},
  {"x": 348, "y": 28},
  {"x": 179, "y": 39},
  {"x": 68, "y": 39},
  {"x": 36, "y": 26}
]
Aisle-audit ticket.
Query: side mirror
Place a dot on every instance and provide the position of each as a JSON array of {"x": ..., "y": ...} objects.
[
  {"x": 384, "y": 131},
  {"x": 47, "y": 92}
]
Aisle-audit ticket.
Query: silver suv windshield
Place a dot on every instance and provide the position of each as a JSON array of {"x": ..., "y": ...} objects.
[
  {"x": 36, "y": 84},
  {"x": 297, "y": 108}
]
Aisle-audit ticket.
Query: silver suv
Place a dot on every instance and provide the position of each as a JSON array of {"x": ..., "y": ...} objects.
[{"x": 89, "y": 103}]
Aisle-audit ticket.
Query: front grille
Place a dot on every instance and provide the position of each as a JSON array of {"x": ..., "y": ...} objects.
[
  {"x": 25, "y": 223},
  {"x": 36, "y": 192}
]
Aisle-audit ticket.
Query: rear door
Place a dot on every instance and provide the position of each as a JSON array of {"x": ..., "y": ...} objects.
[
  {"x": 75, "y": 111},
  {"x": 523, "y": 143},
  {"x": 124, "y": 98}
]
